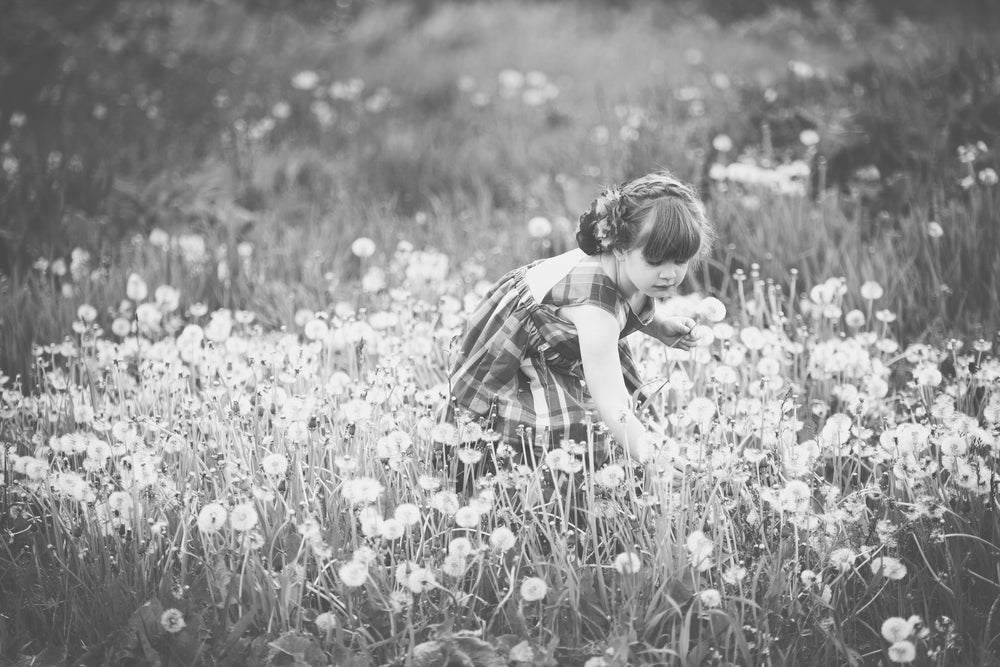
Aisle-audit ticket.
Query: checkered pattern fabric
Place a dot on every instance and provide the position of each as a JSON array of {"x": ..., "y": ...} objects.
[{"x": 519, "y": 365}]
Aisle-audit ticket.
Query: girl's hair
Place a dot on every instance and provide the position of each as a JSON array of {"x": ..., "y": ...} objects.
[{"x": 657, "y": 211}]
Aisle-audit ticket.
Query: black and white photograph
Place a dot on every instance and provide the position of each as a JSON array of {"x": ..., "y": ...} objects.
[{"x": 499, "y": 333}]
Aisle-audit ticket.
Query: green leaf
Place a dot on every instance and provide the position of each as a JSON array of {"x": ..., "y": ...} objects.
[{"x": 297, "y": 649}]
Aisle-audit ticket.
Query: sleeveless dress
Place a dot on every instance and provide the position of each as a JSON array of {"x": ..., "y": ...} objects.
[{"x": 519, "y": 368}]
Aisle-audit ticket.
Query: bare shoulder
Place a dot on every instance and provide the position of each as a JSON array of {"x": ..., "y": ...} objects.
[{"x": 591, "y": 322}]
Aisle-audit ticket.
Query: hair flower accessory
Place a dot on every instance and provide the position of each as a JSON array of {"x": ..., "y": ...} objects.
[{"x": 606, "y": 217}]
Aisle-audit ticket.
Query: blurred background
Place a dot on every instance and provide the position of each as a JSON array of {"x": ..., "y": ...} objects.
[{"x": 235, "y": 149}]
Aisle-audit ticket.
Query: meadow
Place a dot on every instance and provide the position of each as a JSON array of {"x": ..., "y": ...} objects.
[{"x": 233, "y": 281}]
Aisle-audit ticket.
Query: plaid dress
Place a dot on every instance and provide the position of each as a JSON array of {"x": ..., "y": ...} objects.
[{"x": 519, "y": 366}]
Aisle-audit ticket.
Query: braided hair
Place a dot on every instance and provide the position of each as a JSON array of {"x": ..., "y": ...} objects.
[{"x": 657, "y": 211}]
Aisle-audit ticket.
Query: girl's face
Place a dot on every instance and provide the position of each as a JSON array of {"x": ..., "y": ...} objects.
[{"x": 653, "y": 280}]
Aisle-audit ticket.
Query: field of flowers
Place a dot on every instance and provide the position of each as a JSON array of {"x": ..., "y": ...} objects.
[
  {"x": 221, "y": 395},
  {"x": 219, "y": 492}
]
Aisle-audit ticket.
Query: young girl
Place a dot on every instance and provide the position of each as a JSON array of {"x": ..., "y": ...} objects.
[{"x": 545, "y": 349}]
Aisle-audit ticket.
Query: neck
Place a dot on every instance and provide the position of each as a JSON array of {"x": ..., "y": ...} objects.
[{"x": 612, "y": 267}]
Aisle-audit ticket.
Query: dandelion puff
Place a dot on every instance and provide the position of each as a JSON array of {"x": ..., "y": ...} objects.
[
  {"x": 539, "y": 227},
  {"x": 211, "y": 518},
  {"x": 896, "y": 629},
  {"x": 469, "y": 456},
  {"x": 734, "y": 574},
  {"x": 361, "y": 490},
  {"x": 172, "y": 620},
  {"x": 445, "y": 502},
  {"x": 533, "y": 589},
  {"x": 522, "y": 652},
  {"x": 903, "y": 651},
  {"x": 711, "y": 310},
  {"x": 628, "y": 562},
  {"x": 408, "y": 514},
  {"x": 460, "y": 546},
  {"x": 843, "y": 558},
  {"x": 392, "y": 529},
  {"x": 326, "y": 622},
  {"x": 353, "y": 573},
  {"x": 891, "y": 568},
  {"x": 454, "y": 565},
  {"x": 420, "y": 580},
  {"x": 467, "y": 517},
  {"x": 274, "y": 465},
  {"x": 243, "y": 517},
  {"x": 363, "y": 247},
  {"x": 710, "y": 597},
  {"x": 502, "y": 539}
]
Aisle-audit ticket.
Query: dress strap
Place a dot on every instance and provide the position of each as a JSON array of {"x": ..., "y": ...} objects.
[{"x": 543, "y": 276}]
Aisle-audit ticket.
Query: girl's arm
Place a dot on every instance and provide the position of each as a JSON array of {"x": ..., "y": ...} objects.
[{"x": 598, "y": 331}]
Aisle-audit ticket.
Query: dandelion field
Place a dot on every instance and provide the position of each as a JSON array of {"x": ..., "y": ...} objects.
[{"x": 221, "y": 431}]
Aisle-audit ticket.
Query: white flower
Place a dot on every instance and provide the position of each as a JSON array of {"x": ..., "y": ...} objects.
[
  {"x": 363, "y": 247},
  {"x": 454, "y": 565},
  {"x": 522, "y": 652},
  {"x": 891, "y": 568},
  {"x": 533, "y": 589},
  {"x": 927, "y": 375},
  {"x": 445, "y": 502},
  {"x": 86, "y": 312},
  {"x": 628, "y": 562},
  {"x": 935, "y": 230},
  {"x": 243, "y": 517},
  {"x": 722, "y": 143},
  {"x": 710, "y": 597},
  {"x": 809, "y": 137},
  {"x": 172, "y": 620},
  {"x": 315, "y": 329},
  {"x": 609, "y": 476},
  {"x": 795, "y": 497},
  {"x": 212, "y": 518},
  {"x": 896, "y": 629},
  {"x": 275, "y": 465},
  {"x": 854, "y": 319},
  {"x": 711, "y": 310},
  {"x": 420, "y": 579},
  {"x": 325, "y": 622},
  {"x": 734, "y": 574},
  {"x": 903, "y": 651},
  {"x": 136, "y": 288},
  {"x": 725, "y": 375},
  {"x": 408, "y": 514},
  {"x": 392, "y": 529},
  {"x": 539, "y": 227},
  {"x": 168, "y": 298},
  {"x": 120, "y": 502},
  {"x": 467, "y": 517},
  {"x": 353, "y": 573},
  {"x": 460, "y": 546},
  {"x": 361, "y": 490},
  {"x": 305, "y": 80},
  {"x": 871, "y": 291},
  {"x": 700, "y": 548},
  {"x": 502, "y": 539}
]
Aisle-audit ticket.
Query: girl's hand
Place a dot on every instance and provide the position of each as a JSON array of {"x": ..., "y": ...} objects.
[{"x": 676, "y": 332}]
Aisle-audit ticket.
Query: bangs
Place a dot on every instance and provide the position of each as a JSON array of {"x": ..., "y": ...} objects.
[{"x": 672, "y": 235}]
